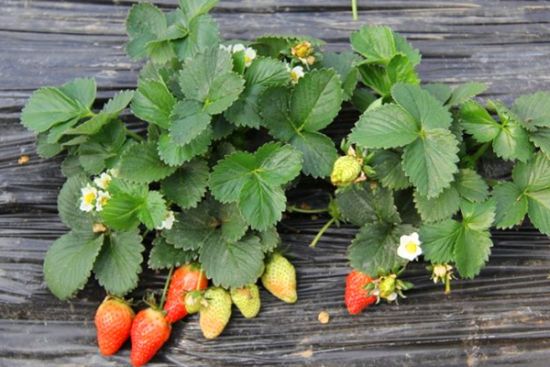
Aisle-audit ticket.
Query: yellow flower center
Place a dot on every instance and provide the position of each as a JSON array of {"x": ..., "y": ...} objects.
[
  {"x": 411, "y": 247},
  {"x": 89, "y": 197},
  {"x": 103, "y": 200}
]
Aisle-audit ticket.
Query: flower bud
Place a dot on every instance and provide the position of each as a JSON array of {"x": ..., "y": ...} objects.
[
  {"x": 387, "y": 287},
  {"x": 302, "y": 50},
  {"x": 345, "y": 171}
]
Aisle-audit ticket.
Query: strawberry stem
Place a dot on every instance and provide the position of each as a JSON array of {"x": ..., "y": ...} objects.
[
  {"x": 354, "y": 9},
  {"x": 321, "y": 232},
  {"x": 197, "y": 288},
  {"x": 166, "y": 283},
  {"x": 295, "y": 209}
]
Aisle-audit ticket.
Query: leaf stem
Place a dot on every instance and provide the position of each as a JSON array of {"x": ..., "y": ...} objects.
[
  {"x": 134, "y": 135},
  {"x": 321, "y": 232},
  {"x": 471, "y": 160},
  {"x": 295, "y": 209},
  {"x": 166, "y": 283},
  {"x": 354, "y": 9}
]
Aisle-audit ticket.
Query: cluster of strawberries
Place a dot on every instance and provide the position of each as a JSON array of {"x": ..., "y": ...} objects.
[{"x": 187, "y": 293}]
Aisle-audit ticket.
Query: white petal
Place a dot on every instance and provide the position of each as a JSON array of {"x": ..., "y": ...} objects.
[{"x": 238, "y": 47}]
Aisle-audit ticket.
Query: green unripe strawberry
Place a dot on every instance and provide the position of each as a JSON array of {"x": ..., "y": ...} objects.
[
  {"x": 279, "y": 278},
  {"x": 247, "y": 300},
  {"x": 215, "y": 312},
  {"x": 193, "y": 301},
  {"x": 345, "y": 171}
]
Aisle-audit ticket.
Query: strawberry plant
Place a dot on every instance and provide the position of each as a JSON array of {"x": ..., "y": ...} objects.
[{"x": 224, "y": 128}]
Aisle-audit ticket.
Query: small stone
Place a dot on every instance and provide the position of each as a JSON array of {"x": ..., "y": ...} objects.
[{"x": 323, "y": 317}]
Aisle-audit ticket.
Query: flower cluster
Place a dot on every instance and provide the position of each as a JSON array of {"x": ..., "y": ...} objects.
[
  {"x": 249, "y": 54},
  {"x": 95, "y": 197}
]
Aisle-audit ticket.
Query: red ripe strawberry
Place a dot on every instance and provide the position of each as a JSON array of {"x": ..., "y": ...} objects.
[
  {"x": 357, "y": 297},
  {"x": 186, "y": 278},
  {"x": 150, "y": 331},
  {"x": 113, "y": 321}
]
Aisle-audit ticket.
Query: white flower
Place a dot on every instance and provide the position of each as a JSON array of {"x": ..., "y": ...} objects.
[
  {"x": 103, "y": 181},
  {"x": 237, "y": 48},
  {"x": 296, "y": 73},
  {"x": 409, "y": 247},
  {"x": 168, "y": 221},
  {"x": 249, "y": 56},
  {"x": 88, "y": 198},
  {"x": 102, "y": 199}
]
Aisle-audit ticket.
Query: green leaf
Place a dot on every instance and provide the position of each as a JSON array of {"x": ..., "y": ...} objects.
[
  {"x": 110, "y": 111},
  {"x": 541, "y": 139},
  {"x": 467, "y": 243},
  {"x": 141, "y": 163},
  {"x": 438, "y": 208},
  {"x": 343, "y": 64},
  {"x": 81, "y": 90},
  {"x": 316, "y": 100},
  {"x": 511, "y": 205},
  {"x": 465, "y": 92},
  {"x": 430, "y": 162},
  {"x": 153, "y": 210},
  {"x": 254, "y": 180},
  {"x": 373, "y": 251},
  {"x": 69, "y": 262},
  {"x": 262, "y": 73},
  {"x": 406, "y": 49},
  {"x": 145, "y": 23},
  {"x": 477, "y": 122},
  {"x": 230, "y": 175},
  {"x": 208, "y": 78},
  {"x": 175, "y": 155},
  {"x": 209, "y": 221},
  {"x": 382, "y": 78},
  {"x": 45, "y": 149},
  {"x": 471, "y": 186},
  {"x": 442, "y": 92},
  {"x": 153, "y": 102},
  {"x": 438, "y": 240},
  {"x": 121, "y": 211},
  {"x": 360, "y": 204},
  {"x": 478, "y": 216},
  {"x": 513, "y": 143},
  {"x": 387, "y": 165},
  {"x": 539, "y": 209},
  {"x": 375, "y": 43},
  {"x": 164, "y": 256},
  {"x": 119, "y": 263},
  {"x": 319, "y": 153},
  {"x": 471, "y": 252},
  {"x": 103, "y": 149},
  {"x": 533, "y": 110},
  {"x": 187, "y": 185},
  {"x": 387, "y": 126},
  {"x": 233, "y": 264},
  {"x": 48, "y": 107},
  {"x": 261, "y": 204},
  {"x": 68, "y": 204},
  {"x": 423, "y": 107},
  {"x": 533, "y": 175},
  {"x": 203, "y": 34},
  {"x": 189, "y": 120},
  {"x": 193, "y": 8},
  {"x": 269, "y": 239}
]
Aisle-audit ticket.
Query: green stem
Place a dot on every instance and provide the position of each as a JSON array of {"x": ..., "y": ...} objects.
[
  {"x": 354, "y": 9},
  {"x": 163, "y": 298},
  {"x": 471, "y": 160},
  {"x": 321, "y": 232},
  {"x": 134, "y": 135},
  {"x": 295, "y": 209}
]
